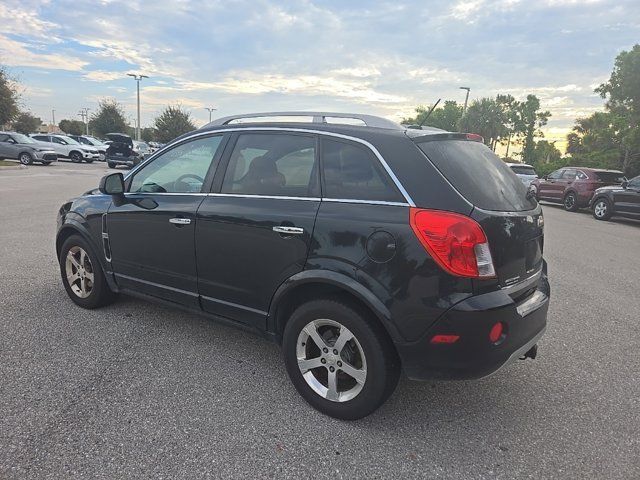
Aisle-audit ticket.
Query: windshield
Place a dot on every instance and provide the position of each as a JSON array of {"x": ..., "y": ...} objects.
[
  {"x": 523, "y": 170},
  {"x": 20, "y": 138},
  {"x": 478, "y": 174},
  {"x": 69, "y": 140}
]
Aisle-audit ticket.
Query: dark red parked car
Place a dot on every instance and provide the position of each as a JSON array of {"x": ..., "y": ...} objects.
[{"x": 573, "y": 187}]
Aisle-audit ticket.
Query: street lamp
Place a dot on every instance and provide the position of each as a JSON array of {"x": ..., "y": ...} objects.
[
  {"x": 211, "y": 109},
  {"x": 466, "y": 99},
  {"x": 137, "y": 78}
]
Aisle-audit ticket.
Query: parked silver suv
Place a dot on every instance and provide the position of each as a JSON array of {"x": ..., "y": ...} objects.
[
  {"x": 67, "y": 147},
  {"x": 17, "y": 146}
]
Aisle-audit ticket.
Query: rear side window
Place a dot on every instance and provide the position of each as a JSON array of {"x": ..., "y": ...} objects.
[
  {"x": 478, "y": 174},
  {"x": 611, "y": 177},
  {"x": 273, "y": 164},
  {"x": 352, "y": 172},
  {"x": 523, "y": 170}
]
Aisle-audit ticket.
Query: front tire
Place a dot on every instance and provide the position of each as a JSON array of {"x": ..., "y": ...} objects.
[
  {"x": 339, "y": 359},
  {"x": 25, "y": 158},
  {"x": 76, "y": 157},
  {"x": 602, "y": 209},
  {"x": 570, "y": 202},
  {"x": 111, "y": 165},
  {"x": 82, "y": 274}
]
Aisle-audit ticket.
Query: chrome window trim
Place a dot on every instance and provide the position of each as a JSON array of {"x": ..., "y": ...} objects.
[
  {"x": 369, "y": 202},
  {"x": 375, "y": 151},
  {"x": 197, "y": 194},
  {"x": 272, "y": 197}
]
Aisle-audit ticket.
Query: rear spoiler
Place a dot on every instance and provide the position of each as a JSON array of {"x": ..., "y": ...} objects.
[{"x": 473, "y": 137}]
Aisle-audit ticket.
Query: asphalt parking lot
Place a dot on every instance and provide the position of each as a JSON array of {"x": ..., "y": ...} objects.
[{"x": 139, "y": 390}]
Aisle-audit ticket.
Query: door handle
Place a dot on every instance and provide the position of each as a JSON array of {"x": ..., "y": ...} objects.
[
  {"x": 288, "y": 230},
  {"x": 180, "y": 221}
]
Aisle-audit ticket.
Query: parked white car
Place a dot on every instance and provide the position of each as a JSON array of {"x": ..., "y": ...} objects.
[
  {"x": 67, "y": 147},
  {"x": 525, "y": 172}
]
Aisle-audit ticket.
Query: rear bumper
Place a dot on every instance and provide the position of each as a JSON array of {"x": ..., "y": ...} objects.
[
  {"x": 128, "y": 161},
  {"x": 473, "y": 355}
]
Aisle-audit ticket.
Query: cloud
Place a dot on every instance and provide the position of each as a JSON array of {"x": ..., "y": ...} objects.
[{"x": 16, "y": 53}]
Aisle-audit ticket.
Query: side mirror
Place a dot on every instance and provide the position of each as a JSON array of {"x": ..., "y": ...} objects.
[
  {"x": 625, "y": 184},
  {"x": 112, "y": 184}
]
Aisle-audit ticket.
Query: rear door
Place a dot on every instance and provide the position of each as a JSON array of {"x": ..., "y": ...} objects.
[
  {"x": 151, "y": 234},
  {"x": 511, "y": 219},
  {"x": 8, "y": 148},
  {"x": 253, "y": 231}
]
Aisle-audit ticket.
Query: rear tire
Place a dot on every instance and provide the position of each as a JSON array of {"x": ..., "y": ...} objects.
[
  {"x": 602, "y": 209},
  {"x": 570, "y": 202},
  {"x": 25, "y": 158},
  {"x": 82, "y": 274},
  {"x": 75, "y": 157},
  {"x": 89, "y": 160},
  {"x": 46, "y": 164},
  {"x": 366, "y": 367}
]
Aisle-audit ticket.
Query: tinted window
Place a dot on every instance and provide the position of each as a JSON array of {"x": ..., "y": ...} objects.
[
  {"x": 42, "y": 138},
  {"x": 478, "y": 174},
  {"x": 179, "y": 170},
  {"x": 4, "y": 137},
  {"x": 273, "y": 164},
  {"x": 523, "y": 169},
  {"x": 569, "y": 174},
  {"x": 555, "y": 175},
  {"x": 634, "y": 182},
  {"x": 353, "y": 172},
  {"x": 581, "y": 175},
  {"x": 610, "y": 177}
]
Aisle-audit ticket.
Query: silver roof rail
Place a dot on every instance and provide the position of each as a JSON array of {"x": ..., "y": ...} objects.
[{"x": 318, "y": 117}]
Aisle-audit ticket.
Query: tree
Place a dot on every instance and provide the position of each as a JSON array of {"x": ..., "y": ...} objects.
[
  {"x": 26, "y": 123},
  {"x": 487, "y": 118},
  {"x": 446, "y": 117},
  {"x": 148, "y": 134},
  {"x": 545, "y": 152},
  {"x": 72, "y": 127},
  {"x": 9, "y": 97},
  {"x": 512, "y": 122},
  {"x": 172, "y": 122},
  {"x": 623, "y": 87},
  {"x": 529, "y": 121},
  {"x": 109, "y": 118}
]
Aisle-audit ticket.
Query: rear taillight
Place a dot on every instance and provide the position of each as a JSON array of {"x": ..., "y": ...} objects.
[{"x": 456, "y": 242}]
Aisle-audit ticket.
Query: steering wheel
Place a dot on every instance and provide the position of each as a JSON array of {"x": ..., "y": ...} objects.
[{"x": 190, "y": 175}]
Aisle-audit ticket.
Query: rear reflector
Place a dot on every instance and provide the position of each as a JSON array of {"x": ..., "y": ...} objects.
[
  {"x": 496, "y": 332},
  {"x": 474, "y": 137},
  {"x": 456, "y": 242},
  {"x": 445, "y": 338}
]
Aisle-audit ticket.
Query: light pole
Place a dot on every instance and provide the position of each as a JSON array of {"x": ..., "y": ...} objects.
[
  {"x": 211, "y": 109},
  {"x": 84, "y": 114},
  {"x": 53, "y": 120},
  {"x": 137, "y": 78},
  {"x": 466, "y": 99}
]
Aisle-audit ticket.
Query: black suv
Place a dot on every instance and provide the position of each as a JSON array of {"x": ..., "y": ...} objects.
[
  {"x": 363, "y": 250},
  {"x": 619, "y": 200}
]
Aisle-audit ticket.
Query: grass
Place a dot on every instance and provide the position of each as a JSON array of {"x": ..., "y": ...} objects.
[{"x": 4, "y": 163}]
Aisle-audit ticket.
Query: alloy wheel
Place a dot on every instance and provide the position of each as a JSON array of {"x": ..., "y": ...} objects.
[
  {"x": 570, "y": 201},
  {"x": 79, "y": 272},
  {"x": 25, "y": 159},
  {"x": 331, "y": 360},
  {"x": 600, "y": 209}
]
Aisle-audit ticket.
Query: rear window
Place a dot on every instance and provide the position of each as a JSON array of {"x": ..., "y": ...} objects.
[
  {"x": 610, "y": 177},
  {"x": 523, "y": 169},
  {"x": 478, "y": 174}
]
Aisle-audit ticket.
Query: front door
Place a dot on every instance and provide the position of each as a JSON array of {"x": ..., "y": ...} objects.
[
  {"x": 151, "y": 232},
  {"x": 254, "y": 232},
  {"x": 548, "y": 186},
  {"x": 627, "y": 201}
]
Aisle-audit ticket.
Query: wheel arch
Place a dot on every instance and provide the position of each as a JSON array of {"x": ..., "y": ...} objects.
[
  {"x": 312, "y": 284},
  {"x": 71, "y": 152}
]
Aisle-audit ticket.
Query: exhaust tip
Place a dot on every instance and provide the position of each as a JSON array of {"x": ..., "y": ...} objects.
[{"x": 532, "y": 353}]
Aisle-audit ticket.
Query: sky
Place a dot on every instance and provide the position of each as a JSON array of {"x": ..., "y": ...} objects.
[{"x": 375, "y": 57}]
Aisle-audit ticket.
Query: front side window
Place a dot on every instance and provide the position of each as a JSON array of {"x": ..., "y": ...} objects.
[
  {"x": 58, "y": 140},
  {"x": 555, "y": 175},
  {"x": 179, "y": 170},
  {"x": 352, "y": 172},
  {"x": 569, "y": 174},
  {"x": 273, "y": 164},
  {"x": 634, "y": 183},
  {"x": 42, "y": 138}
]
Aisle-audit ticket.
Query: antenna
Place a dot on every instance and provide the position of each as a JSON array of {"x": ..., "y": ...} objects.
[{"x": 430, "y": 112}]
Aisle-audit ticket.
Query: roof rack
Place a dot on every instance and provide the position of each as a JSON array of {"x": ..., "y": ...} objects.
[{"x": 318, "y": 117}]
